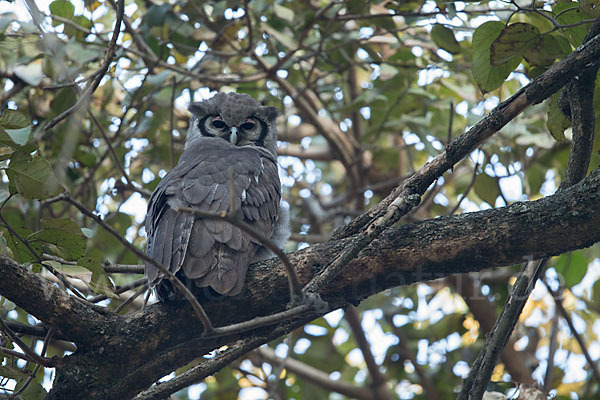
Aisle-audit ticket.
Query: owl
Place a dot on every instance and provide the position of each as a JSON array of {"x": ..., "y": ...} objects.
[{"x": 229, "y": 164}]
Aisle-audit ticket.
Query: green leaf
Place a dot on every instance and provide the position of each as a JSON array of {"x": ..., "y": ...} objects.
[
  {"x": 33, "y": 391},
  {"x": 12, "y": 373},
  {"x": 12, "y": 119},
  {"x": 16, "y": 126},
  {"x": 513, "y": 41},
  {"x": 66, "y": 237},
  {"x": 544, "y": 51},
  {"x": 444, "y": 38},
  {"x": 100, "y": 282},
  {"x": 557, "y": 122},
  {"x": 572, "y": 267},
  {"x": 486, "y": 188},
  {"x": 568, "y": 13},
  {"x": 32, "y": 178},
  {"x": 488, "y": 76},
  {"x": 19, "y": 136},
  {"x": 61, "y": 8}
]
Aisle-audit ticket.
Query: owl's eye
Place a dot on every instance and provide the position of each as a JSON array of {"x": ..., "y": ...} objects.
[
  {"x": 248, "y": 125},
  {"x": 218, "y": 123}
]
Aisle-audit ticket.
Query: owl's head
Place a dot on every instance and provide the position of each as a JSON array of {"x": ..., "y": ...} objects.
[{"x": 234, "y": 117}]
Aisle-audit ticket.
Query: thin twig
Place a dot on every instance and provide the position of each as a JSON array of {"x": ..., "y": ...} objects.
[
  {"x": 89, "y": 91},
  {"x": 29, "y": 353},
  {"x": 110, "y": 147},
  {"x": 565, "y": 315},
  {"x": 131, "y": 298},
  {"x": 467, "y": 190},
  {"x": 379, "y": 381},
  {"x": 37, "y": 366}
]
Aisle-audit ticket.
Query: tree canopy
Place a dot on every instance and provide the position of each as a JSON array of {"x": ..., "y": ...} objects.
[{"x": 439, "y": 161}]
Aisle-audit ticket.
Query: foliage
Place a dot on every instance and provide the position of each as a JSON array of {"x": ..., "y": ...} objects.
[{"x": 369, "y": 93}]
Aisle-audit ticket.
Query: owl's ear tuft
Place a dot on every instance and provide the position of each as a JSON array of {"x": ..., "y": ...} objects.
[
  {"x": 197, "y": 108},
  {"x": 270, "y": 112}
]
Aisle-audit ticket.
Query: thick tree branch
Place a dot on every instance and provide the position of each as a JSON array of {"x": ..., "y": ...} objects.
[{"x": 68, "y": 315}]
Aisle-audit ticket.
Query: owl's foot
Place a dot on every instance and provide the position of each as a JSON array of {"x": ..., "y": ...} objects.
[{"x": 313, "y": 300}]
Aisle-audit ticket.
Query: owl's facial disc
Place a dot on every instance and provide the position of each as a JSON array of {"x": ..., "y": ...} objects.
[{"x": 249, "y": 132}]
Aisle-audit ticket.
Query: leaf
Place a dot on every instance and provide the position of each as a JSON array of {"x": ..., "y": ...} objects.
[
  {"x": 572, "y": 267},
  {"x": 12, "y": 373},
  {"x": 19, "y": 136},
  {"x": 568, "y": 13},
  {"x": 283, "y": 12},
  {"x": 12, "y": 119},
  {"x": 444, "y": 38},
  {"x": 513, "y": 41},
  {"x": 100, "y": 282},
  {"x": 65, "y": 235},
  {"x": 16, "y": 126},
  {"x": 33, "y": 391},
  {"x": 557, "y": 122},
  {"x": 31, "y": 73},
  {"x": 488, "y": 76},
  {"x": 544, "y": 51},
  {"x": 32, "y": 178},
  {"x": 61, "y": 8},
  {"x": 486, "y": 188}
]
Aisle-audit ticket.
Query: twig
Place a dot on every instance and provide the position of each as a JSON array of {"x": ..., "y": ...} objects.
[
  {"x": 29, "y": 354},
  {"x": 561, "y": 309},
  {"x": 131, "y": 298},
  {"x": 37, "y": 366},
  {"x": 315, "y": 376},
  {"x": 260, "y": 321},
  {"x": 121, "y": 289},
  {"x": 294, "y": 283},
  {"x": 549, "y": 375},
  {"x": 467, "y": 190},
  {"x": 123, "y": 268},
  {"x": 89, "y": 91},
  {"x": 201, "y": 371},
  {"x": 110, "y": 147},
  {"x": 379, "y": 382}
]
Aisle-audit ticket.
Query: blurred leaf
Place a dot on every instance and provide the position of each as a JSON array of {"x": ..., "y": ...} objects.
[
  {"x": 65, "y": 235},
  {"x": 32, "y": 177},
  {"x": 572, "y": 267},
  {"x": 100, "y": 282},
  {"x": 61, "y": 8},
  {"x": 283, "y": 12},
  {"x": 444, "y": 38},
  {"x": 31, "y": 73},
  {"x": 557, "y": 122},
  {"x": 486, "y": 188}
]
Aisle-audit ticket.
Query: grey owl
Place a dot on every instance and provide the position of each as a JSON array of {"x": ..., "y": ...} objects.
[{"x": 229, "y": 132}]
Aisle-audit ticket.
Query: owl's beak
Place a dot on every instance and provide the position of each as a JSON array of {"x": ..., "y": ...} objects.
[{"x": 233, "y": 135}]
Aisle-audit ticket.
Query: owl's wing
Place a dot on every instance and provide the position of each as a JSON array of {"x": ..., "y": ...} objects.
[{"x": 212, "y": 252}]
